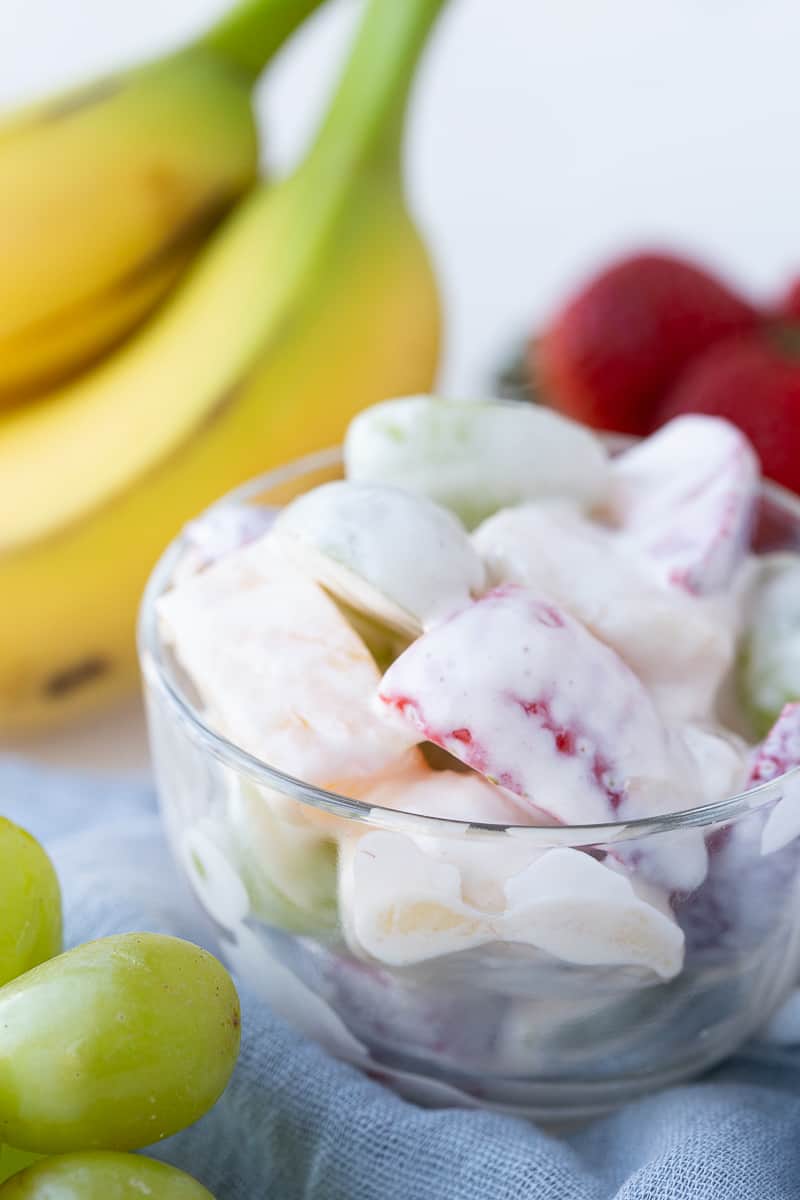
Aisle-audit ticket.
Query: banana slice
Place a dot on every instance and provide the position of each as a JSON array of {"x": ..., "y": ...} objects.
[
  {"x": 680, "y": 646},
  {"x": 400, "y": 906},
  {"x": 476, "y": 457},
  {"x": 578, "y": 910},
  {"x": 402, "y": 903},
  {"x": 686, "y": 497},
  {"x": 279, "y": 669},
  {"x": 482, "y": 862},
  {"x": 397, "y": 557},
  {"x": 520, "y": 691}
]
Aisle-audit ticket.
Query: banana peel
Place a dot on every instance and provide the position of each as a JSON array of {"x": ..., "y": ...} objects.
[
  {"x": 315, "y": 299},
  {"x": 107, "y": 191}
]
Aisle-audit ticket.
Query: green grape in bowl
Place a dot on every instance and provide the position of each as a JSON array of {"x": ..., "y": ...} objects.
[{"x": 768, "y": 670}]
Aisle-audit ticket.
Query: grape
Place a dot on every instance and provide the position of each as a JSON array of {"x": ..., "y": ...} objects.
[
  {"x": 475, "y": 457},
  {"x": 289, "y": 871},
  {"x": 768, "y": 671},
  {"x": 12, "y": 1160},
  {"x": 102, "y": 1175},
  {"x": 30, "y": 903},
  {"x": 114, "y": 1045}
]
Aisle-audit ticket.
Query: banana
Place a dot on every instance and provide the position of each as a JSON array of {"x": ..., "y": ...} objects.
[
  {"x": 314, "y": 299},
  {"x": 106, "y": 192}
]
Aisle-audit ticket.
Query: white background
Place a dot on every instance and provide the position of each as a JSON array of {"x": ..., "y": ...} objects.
[{"x": 545, "y": 136}]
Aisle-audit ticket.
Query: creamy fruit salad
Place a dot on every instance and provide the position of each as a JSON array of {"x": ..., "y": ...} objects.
[{"x": 493, "y": 622}]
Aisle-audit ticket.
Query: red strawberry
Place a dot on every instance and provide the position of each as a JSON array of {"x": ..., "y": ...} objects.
[
  {"x": 780, "y": 750},
  {"x": 524, "y": 710},
  {"x": 686, "y": 498},
  {"x": 753, "y": 381},
  {"x": 789, "y": 305},
  {"x": 620, "y": 343}
]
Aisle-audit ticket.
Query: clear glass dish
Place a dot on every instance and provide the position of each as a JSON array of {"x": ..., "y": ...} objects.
[{"x": 502, "y": 1024}]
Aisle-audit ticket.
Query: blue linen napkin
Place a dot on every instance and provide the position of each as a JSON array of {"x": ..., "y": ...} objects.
[{"x": 296, "y": 1125}]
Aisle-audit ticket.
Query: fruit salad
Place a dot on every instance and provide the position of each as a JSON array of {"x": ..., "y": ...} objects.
[{"x": 487, "y": 668}]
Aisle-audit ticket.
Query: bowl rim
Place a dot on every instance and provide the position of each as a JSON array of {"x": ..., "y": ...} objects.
[{"x": 156, "y": 671}]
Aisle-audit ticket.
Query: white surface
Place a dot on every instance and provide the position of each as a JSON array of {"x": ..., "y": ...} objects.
[{"x": 545, "y": 136}]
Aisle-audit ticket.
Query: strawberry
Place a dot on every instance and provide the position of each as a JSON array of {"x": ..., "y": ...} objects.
[
  {"x": 780, "y": 750},
  {"x": 524, "y": 710},
  {"x": 788, "y": 307},
  {"x": 753, "y": 381},
  {"x": 620, "y": 343},
  {"x": 686, "y": 498},
  {"x": 748, "y": 881}
]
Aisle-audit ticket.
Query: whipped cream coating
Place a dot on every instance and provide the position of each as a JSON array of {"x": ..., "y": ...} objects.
[
  {"x": 415, "y": 788},
  {"x": 404, "y": 905},
  {"x": 396, "y": 556},
  {"x": 618, "y": 595},
  {"x": 224, "y": 528},
  {"x": 685, "y": 497},
  {"x": 278, "y": 668},
  {"x": 510, "y": 686},
  {"x": 475, "y": 457}
]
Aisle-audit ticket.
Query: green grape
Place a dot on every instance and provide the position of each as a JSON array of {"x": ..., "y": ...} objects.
[
  {"x": 115, "y": 1045},
  {"x": 102, "y": 1175},
  {"x": 30, "y": 903},
  {"x": 768, "y": 669},
  {"x": 12, "y": 1160},
  {"x": 383, "y": 643},
  {"x": 289, "y": 871},
  {"x": 475, "y": 456}
]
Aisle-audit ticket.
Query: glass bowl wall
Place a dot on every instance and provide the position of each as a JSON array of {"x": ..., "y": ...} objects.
[{"x": 503, "y": 1023}]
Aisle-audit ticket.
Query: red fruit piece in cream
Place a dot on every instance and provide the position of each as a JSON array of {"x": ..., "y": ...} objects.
[
  {"x": 680, "y": 646},
  {"x": 780, "y": 750},
  {"x": 522, "y": 692},
  {"x": 686, "y": 497}
]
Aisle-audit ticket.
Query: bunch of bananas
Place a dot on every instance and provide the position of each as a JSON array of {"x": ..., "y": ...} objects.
[{"x": 170, "y": 325}]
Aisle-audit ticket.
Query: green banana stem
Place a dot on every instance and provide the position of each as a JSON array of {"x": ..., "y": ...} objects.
[
  {"x": 365, "y": 120},
  {"x": 255, "y": 30}
]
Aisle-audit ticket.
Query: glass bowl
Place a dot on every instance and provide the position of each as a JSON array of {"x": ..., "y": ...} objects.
[{"x": 504, "y": 1022}]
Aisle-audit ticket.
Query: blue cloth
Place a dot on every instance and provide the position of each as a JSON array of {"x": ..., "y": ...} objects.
[{"x": 296, "y": 1125}]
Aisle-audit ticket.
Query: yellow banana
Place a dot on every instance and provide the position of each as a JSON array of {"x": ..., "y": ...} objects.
[
  {"x": 107, "y": 191},
  {"x": 314, "y": 299}
]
